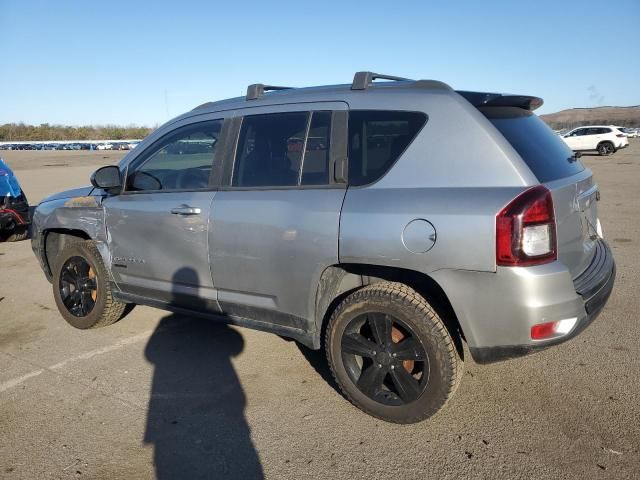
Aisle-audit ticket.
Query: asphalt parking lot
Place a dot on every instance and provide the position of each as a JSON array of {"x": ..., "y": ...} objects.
[{"x": 159, "y": 395}]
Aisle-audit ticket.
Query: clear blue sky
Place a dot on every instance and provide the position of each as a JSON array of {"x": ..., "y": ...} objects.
[{"x": 85, "y": 62}]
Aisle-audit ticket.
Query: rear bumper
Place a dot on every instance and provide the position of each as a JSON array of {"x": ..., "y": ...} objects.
[{"x": 497, "y": 313}]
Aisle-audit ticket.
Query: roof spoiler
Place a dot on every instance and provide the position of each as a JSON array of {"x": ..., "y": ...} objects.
[{"x": 484, "y": 99}]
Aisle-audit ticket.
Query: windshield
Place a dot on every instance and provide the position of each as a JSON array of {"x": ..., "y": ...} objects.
[{"x": 546, "y": 154}]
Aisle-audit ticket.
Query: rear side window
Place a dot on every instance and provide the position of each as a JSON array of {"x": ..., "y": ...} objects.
[
  {"x": 270, "y": 150},
  {"x": 283, "y": 150},
  {"x": 377, "y": 139},
  {"x": 546, "y": 154},
  {"x": 315, "y": 170}
]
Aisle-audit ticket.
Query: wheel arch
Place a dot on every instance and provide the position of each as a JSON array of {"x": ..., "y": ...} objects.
[
  {"x": 54, "y": 240},
  {"x": 606, "y": 142},
  {"x": 338, "y": 281}
]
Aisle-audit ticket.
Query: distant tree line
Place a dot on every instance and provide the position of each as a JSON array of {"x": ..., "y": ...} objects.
[{"x": 10, "y": 132}]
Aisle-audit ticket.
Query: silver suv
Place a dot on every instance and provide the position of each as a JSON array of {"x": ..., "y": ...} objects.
[{"x": 386, "y": 222}]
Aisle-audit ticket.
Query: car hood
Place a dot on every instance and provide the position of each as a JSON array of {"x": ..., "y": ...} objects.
[{"x": 74, "y": 192}]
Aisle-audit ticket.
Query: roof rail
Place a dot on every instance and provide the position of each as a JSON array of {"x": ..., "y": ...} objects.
[
  {"x": 256, "y": 90},
  {"x": 362, "y": 80}
]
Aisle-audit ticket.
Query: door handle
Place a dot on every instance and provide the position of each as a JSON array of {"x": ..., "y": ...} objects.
[{"x": 185, "y": 210}]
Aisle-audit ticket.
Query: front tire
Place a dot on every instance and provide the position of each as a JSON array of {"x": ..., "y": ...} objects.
[
  {"x": 391, "y": 354},
  {"x": 82, "y": 290},
  {"x": 605, "y": 149}
]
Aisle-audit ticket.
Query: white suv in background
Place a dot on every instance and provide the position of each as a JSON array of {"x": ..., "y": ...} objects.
[
  {"x": 605, "y": 139},
  {"x": 629, "y": 132}
]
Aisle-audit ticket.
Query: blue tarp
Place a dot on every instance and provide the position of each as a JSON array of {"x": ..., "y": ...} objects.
[{"x": 9, "y": 186}]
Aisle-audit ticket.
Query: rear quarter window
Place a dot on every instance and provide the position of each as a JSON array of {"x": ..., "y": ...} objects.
[
  {"x": 544, "y": 152},
  {"x": 376, "y": 139}
]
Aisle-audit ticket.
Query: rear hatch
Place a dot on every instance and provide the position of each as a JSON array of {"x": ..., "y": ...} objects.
[{"x": 554, "y": 164}]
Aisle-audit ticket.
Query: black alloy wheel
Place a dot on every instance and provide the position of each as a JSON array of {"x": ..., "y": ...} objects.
[
  {"x": 385, "y": 359},
  {"x": 605, "y": 149},
  {"x": 78, "y": 286}
]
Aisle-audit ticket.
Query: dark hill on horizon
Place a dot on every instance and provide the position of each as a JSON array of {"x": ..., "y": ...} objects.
[{"x": 574, "y": 117}]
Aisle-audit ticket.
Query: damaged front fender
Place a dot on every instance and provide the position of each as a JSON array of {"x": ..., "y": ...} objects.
[{"x": 63, "y": 217}]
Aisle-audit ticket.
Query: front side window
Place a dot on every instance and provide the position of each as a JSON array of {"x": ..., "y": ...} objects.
[
  {"x": 181, "y": 161},
  {"x": 377, "y": 139}
]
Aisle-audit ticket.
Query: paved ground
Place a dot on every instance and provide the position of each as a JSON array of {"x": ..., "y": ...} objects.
[{"x": 158, "y": 395}]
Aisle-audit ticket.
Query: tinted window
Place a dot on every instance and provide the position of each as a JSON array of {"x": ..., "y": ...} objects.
[
  {"x": 315, "y": 170},
  {"x": 377, "y": 139},
  {"x": 182, "y": 160},
  {"x": 604, "y": 130},
  {"x": 546, "y": 154},
  {"x": 270, "y": 150}
]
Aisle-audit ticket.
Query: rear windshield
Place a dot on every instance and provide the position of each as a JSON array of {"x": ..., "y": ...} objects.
[{"x": 546, "y": 154}]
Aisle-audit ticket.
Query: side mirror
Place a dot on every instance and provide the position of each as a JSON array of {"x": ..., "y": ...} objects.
[{"x": 107, "y": 178}]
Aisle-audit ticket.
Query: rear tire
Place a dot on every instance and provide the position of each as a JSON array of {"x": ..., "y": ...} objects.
[
  {"x": 82, "y": 289},
  {"x": 606, "y": 148},
  {"x": 391, "y": 354}
]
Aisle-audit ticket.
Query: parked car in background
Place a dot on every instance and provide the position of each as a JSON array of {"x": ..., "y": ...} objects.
[
  {"x": 327, "y": 215},
  {"x": 603, "y": 139},
  {"x": 629, "y": 132},
  {"x": 14, "y": 208}
]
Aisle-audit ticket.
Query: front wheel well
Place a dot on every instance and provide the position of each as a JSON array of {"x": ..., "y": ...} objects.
[
  {"x": 348, "y": 278},
  {"x": 56, "y": 239}
]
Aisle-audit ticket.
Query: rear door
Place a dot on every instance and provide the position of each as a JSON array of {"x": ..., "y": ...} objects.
[
  {"x": 592, "y": 138},
  {"x": 572, "y": 186},
  {"x": 275, "y": 224}
]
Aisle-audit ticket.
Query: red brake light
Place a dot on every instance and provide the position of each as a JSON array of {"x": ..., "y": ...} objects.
[
  {"x": 620, "y": 135},
  {"x": 526, "y": 230},
  {"x": 543, "y": 330}
]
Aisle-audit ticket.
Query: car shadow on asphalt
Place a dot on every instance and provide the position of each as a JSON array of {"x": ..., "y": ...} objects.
[
  {"x": 318, "y": 361},
  {"x": 195, "y": 420}
]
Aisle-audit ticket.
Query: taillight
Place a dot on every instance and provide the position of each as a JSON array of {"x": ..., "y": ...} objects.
[
  {"x": 526, "y": 230},
  {"x": 620, "y": 135}
]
